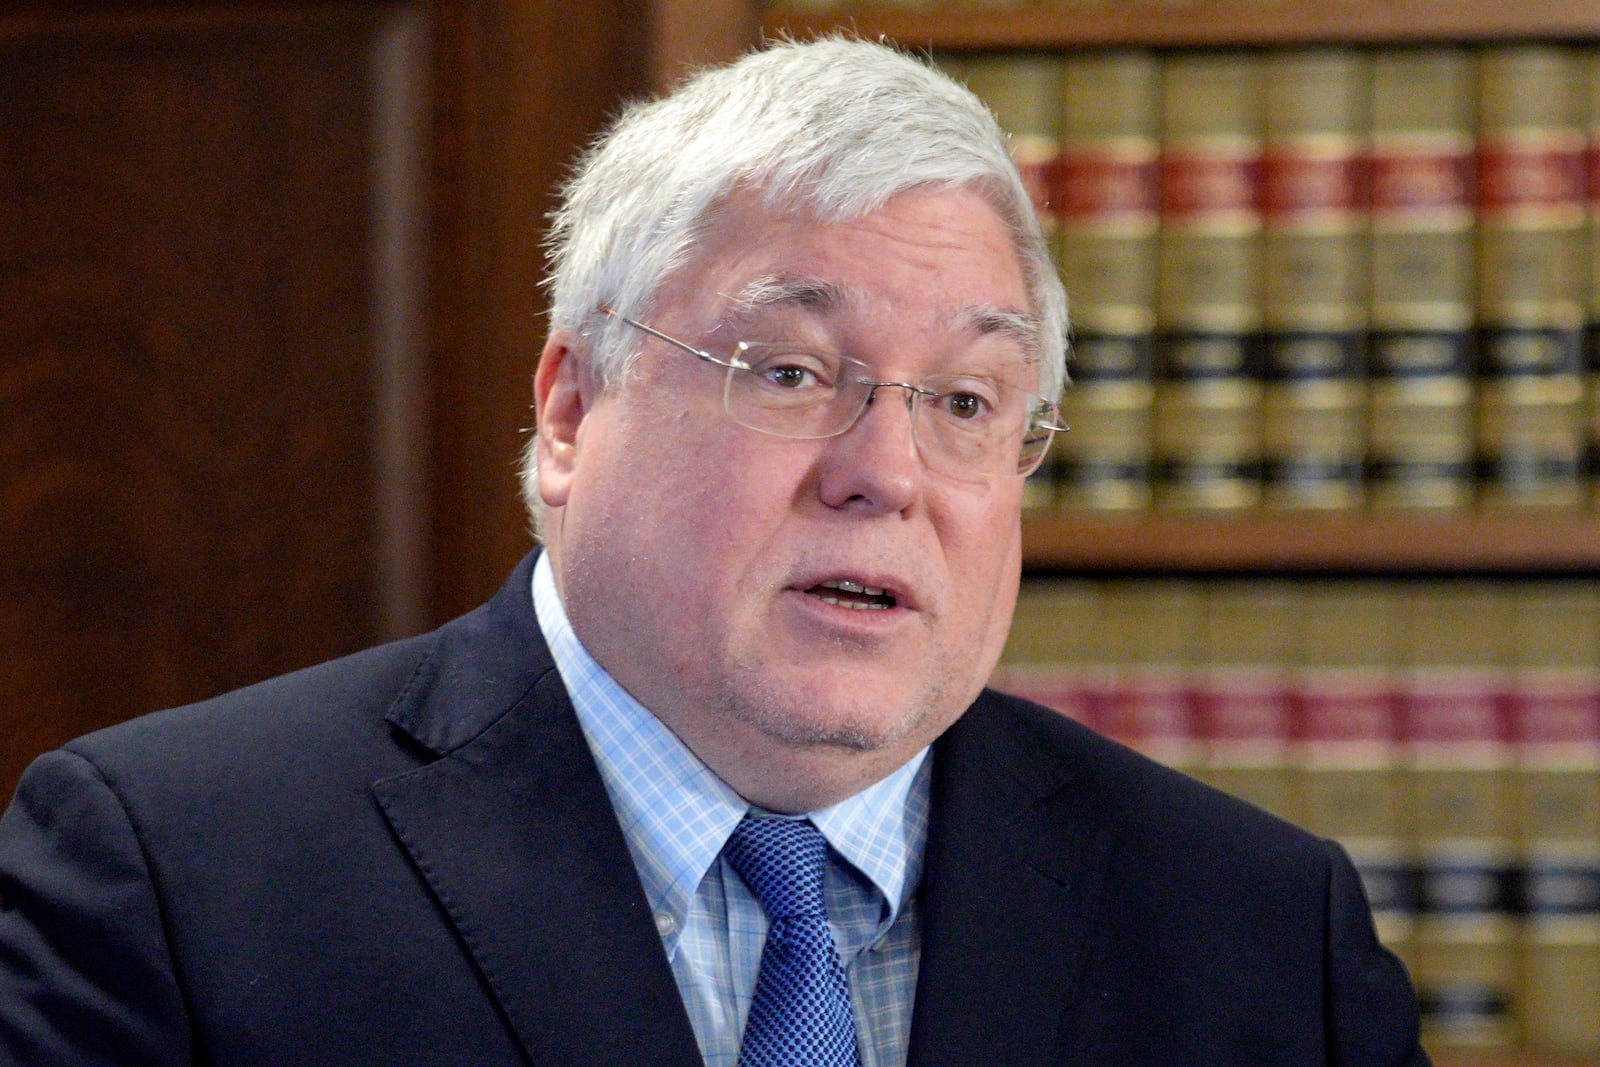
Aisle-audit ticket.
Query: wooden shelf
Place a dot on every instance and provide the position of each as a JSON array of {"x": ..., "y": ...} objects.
[
  {"x": 1173, "y": 23},
  {"x": 1508, "y": 543}
]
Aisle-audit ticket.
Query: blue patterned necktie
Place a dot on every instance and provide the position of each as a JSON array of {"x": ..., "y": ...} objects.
[{"x": 801, "y": 1015}]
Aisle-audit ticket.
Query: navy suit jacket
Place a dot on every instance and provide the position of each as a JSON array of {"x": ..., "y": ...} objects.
[{"x": 408, "y": 857}]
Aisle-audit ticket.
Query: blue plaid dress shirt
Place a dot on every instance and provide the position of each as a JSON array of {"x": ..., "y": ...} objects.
[{"x": 676, "y": 815}]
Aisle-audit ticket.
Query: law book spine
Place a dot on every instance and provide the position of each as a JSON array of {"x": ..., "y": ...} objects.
[
  {"x": 1591, "y": 333},
  {"x": 1314, "y": 279},
  {"x": 1152, "y": 629},
  {"x": 1352, "y": 778},
  {"x": 1023, "y": 89},
  {"x": 1055, "y": 652},
  {"x": 1420, "y": 430},
  {"x": 1531, "y": 208},
  {"x": 1459, "y": 758},
  {"x": 1208, "y": 293},
  {"x": 1107, "y": 204},
  {"x": 1244, "y": 693},
  {"x": 1555, "y": 721}
]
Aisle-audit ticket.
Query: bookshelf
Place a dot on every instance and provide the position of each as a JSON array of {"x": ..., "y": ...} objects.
[
  {"x": 1449, "y": 542},
  {"x": 1198, "y": 23},
  {"x": 1551, "y": 545},
  {"x": 1443, "y": 544}
]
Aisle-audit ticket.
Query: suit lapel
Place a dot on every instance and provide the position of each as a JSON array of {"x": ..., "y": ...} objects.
[
  {"x": 513, "y": 832},
  {"x": 1011, "y": 893}
]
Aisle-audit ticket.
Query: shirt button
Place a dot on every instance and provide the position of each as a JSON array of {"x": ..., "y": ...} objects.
[{"x": 666, "y": 925}]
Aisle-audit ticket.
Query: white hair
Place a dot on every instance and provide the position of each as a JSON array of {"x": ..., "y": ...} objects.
[{"x": 831, "y": 129}]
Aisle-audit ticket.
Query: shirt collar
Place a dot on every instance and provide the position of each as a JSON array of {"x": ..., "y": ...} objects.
[{"x": 676, "y": 814}]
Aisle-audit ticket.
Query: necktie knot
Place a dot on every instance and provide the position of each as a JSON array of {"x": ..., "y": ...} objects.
[
  {"x": 800, "y": 1014},
  {"x": 783, "y": 862}
]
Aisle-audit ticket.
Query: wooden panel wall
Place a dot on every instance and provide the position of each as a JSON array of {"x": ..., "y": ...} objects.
[
  {"x": 522, "y": 86},
  {"x": 269, "y": 313},
  {"x": 190, "y": 371}
]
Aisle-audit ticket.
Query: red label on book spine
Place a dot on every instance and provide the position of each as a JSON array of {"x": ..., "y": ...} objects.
[
  {"x": 1311, "y": 183},
  {"x": 1245, "y": 706},
  {"x": 1455, "y": 707},
  {"x": 1200, "y": 183},
  {"x": 1340, "y": 706},
  {"x": 1556, "y": 709},
  {"x": 1104, "y": 184},
  {"x": 1591, "y": 166},
  {"x": 1534, "y": 171},
  {"x": 1421, "y": 179},
  {"x": 1077, "y": 692},
  {"x": 1154, "y": 712}
]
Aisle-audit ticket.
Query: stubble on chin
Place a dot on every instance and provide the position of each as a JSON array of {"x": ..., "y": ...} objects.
[{"x": 784, "y": 713}]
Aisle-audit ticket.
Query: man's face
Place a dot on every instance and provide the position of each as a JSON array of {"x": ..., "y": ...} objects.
[{"x": 709, "y": 567}]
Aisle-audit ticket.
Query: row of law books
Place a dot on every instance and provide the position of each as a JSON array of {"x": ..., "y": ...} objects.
[
  {"x": 845, "y": 6},
  {"x": 1446, "y": 733},
  {"x": 1318, "y": 278}
]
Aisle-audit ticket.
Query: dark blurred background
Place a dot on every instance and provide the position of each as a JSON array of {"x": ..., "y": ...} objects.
[{"x": 269, "y": 312}]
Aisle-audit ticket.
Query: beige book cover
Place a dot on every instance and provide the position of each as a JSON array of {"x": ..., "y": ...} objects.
[
  {"x": 1531, "y": 211},
  {"x": 1244, "y": 693},
  {"x": 1555, "y": 722},
  {"x": 1208, "y": 295},
  {"x": 1152, "y": 633},
  {"x": 1056, "y": 653},
  {"x": 1591, "y": 335},
  {"x": 1352, "y": 781},
  {"x": 1023, "y": 89},
  {"x": 1314, "y": 279},
  {"x": 1107, "y": 199},
  {"x": 1420, "y": 440},
  {"x": 1457, "y": 650}
]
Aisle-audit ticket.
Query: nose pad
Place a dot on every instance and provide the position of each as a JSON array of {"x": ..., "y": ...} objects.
[
  {"x": 912, "y": 394},
  {"x": 876, "y": 464},
  {"x": 873, "y": 387}
]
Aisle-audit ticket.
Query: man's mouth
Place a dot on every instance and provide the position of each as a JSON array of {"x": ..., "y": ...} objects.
[{"x": 842, "y": 592}]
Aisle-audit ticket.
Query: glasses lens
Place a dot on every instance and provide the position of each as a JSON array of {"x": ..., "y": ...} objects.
[
  {"x": 1035, "y": 445},
  {"x": 793, "y": 392},
  {"x": 968, "y": 428},
  {"x": 978, "y": 428}
]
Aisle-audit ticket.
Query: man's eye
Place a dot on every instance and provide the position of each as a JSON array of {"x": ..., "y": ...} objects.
[
  {"x": 789, "y": 376},
  {"x": 964, "y": 406}
]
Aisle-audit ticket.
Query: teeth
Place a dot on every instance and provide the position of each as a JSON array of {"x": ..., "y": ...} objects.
[
  {"x": 847, "y": 586},
  {"x": 855, "y": 605}
]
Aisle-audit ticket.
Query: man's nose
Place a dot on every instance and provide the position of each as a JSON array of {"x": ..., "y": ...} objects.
[{"x": 875, "y": 462}]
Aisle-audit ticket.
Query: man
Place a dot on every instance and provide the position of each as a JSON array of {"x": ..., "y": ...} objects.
[{"x": 803, "y": 340}]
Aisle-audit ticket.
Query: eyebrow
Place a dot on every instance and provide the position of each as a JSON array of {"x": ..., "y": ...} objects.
[
  {"x": 783, "y": 290},
  {"x": 1020, "y": 326},
  {"x": 814, "y": 294}
]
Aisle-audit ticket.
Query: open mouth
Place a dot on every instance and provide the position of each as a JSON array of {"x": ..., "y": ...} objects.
[{"x": 841, "y": 592}]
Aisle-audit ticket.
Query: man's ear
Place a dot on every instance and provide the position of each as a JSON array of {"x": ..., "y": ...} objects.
[{"x": 563, "y": 391}]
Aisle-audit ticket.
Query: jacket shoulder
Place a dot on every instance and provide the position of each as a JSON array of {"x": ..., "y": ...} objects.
[
  {"x": 332, "y": 707},
  {"x": 1148, "y": 798}
]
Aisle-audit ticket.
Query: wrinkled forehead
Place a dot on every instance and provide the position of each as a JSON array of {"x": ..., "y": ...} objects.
[{"x": 942, "y": 257}]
